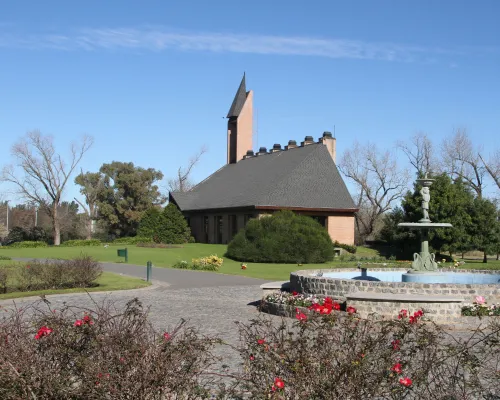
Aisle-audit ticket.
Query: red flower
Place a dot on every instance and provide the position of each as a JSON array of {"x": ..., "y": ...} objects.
[
  {"x": 418, "y": 313},
  {"x": 396, "y": 344},
  {"x": 351, "y": 310},
  {"x": 327, "y": 300},
  {"x": 167, "y": 336},
  {"x": 87, "y": 320},
  {"x": 294, "y": 293},
  {"x": 413, "y": 320},
  {"x": 78, "y": 322},
  {"x": 405, "y": 381},
  {"x": 336, "y": 306},
  {"x": 325, "y": 310},
  {"x": 252, "y": 357},
  {"x": 279, "y": 383},
  {"x": 403, "y": 314},
  {"x": 397, "y": 368},
  {"x": 261, "y": 341},
  {"x": 300, "y": 315},
  {"x": 43, "y": 331}
]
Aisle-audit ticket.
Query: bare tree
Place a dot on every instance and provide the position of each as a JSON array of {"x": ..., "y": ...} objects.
[
  {"x": 492, "y": 166},
  {"x": 420, "y": 153},
  {"x": 461, "y": 160},
  {"x": 42, "y": 174},
  {"x": 182, "y": 183},
  {"x": 91, "y": 184},
  {"x": 378, "y": 180}
]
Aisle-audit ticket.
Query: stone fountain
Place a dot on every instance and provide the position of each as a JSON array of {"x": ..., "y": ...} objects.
[{"x": 424, "y": 268}]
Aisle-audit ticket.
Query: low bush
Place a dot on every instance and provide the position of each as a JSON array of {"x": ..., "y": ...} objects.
[
  {"x": 104, "y": 353},
  {"x": 210, "y": 263},
  {"x": 159, "y": 245},
  {"x": 133, "y": 240},
  {"x": 81, "y": 243},
  {"x": 108, "y": 353},
  {"x": 27, "y": 244},
  {"x": 347, "y": 247},
  {"x": 80, "y": 272},
  {"x": 284, "y": 237},
  {"x": 5, "y": 258}
]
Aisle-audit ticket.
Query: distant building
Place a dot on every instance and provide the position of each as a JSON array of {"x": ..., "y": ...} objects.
[{"x": 303, "y": 178}]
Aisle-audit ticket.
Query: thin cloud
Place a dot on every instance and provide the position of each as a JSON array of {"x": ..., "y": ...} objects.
[{"x": 158, "y": 39}]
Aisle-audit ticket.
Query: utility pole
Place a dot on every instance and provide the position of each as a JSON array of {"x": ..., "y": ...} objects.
[{"x": 7, "y": 204}]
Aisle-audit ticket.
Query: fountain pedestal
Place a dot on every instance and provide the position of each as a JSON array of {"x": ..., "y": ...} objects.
[{"x": 424, "y": 268}]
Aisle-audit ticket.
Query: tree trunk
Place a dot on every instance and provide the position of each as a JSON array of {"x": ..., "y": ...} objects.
[
  {"x": 485, "y": 257},
  {"x": 498, "y": 256},
  {"x": 56, "y": 226},
  {"x": 89, "y": 228}
]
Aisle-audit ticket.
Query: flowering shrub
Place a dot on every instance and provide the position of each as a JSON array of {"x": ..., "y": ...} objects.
[
  {"x": 99, "y": 354},
  {"x": 479, "y": 308},
  {"x": 293, "y": 299},
  {"x": 210, "y": 263},
  {"x": 323, "y": 356}
]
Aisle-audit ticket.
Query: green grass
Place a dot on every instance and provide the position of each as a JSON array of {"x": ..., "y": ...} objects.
[{"x": 168, "y": 257}]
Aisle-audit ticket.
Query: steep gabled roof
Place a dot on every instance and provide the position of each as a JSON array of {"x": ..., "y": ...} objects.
[
  {"x": 239, "y": 100},
  {"x": 304, "y": 177}
]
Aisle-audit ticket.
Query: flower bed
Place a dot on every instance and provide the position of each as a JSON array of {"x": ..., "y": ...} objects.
[
  {"x": 479, "y": 308},
  {"x": 210, "y": 263}
]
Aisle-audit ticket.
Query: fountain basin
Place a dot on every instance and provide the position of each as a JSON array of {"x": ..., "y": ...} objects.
[{"x": 380, "y": 295}]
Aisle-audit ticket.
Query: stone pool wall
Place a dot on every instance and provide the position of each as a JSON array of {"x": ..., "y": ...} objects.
[{"x": 305, "y": 281}]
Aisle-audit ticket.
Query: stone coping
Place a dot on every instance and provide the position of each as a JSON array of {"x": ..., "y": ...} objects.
[
  {"x": 412, "y": 298},
  {"x": 275, "y": 285}
]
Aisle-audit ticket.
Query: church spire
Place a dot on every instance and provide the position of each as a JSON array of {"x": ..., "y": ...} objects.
[{"x": 239, "y": 100}]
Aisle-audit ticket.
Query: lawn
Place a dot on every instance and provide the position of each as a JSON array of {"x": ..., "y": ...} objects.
[
  {"x": 108, "y": 281},
  {"x": 168, "y": 257}
]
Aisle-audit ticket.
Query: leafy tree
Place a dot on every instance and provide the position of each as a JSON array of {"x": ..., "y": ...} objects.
[
  {"x": 450, "y": 202},
  {"x": 126, "y": 193},
  {"x": 284, "y": 237},
  {"x": 173, "y": 227},
  {"x": 485, "y": 226}
]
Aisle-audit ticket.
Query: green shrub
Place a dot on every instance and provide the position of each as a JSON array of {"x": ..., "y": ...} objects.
[
  {"x": 181, "y": 265},
  {"x": 150, "y": 222},
  {"x": 81, "y": 243},
  {"x": 133, "y": 240},
  {"x": 284, "y": 237},
  {"x": 173, "y": 228},
  {"x": 16, "y": 235},
  {"x": 27, "y": 244},
  {"x": 5, "y": 258},
  {"x": 159, "y": 246},
  {"x": 347, "y": 247},
  {"x": 81, "y": 271}
]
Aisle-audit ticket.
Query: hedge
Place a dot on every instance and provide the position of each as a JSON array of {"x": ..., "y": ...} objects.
[
  {"x": 27, "y": 244},
  {"x": 133, "y": 240},
  {"x": 81, "y": 243}
]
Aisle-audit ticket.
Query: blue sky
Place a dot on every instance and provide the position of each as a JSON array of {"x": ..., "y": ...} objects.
[{"x": 151, "y": 81}]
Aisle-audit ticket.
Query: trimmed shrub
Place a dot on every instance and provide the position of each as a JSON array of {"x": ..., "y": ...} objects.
[
  {"x": 173, "y": 228},
  {"x": 284, "y": 237},
  {"x": 158, "y": 245},
  {"x": 347, "y": 247},
  {"x": 5, "y": 258},
  {"x": 181, "y": 265},
  {"x": 82, "y": 243},
  {"x": 150, "y": 222},
  {"x": 133, "y": 240},
  {"x": 56, "y": 274},
  {"x": 28, "y": 244}
]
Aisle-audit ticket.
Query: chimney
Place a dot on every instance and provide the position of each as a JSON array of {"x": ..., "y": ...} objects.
[
  {"x": 331, "y": 144},
  {"x": 262, "y": 150},
  {"x": 276, "y": 147},
  {"x": 307, "y": 140},
  {"x": 249, "y": 154},
  {"x": 292, "y": 144}
]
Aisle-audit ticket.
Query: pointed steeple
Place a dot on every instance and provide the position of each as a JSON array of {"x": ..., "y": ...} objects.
[{"x": 239, "y": 100}]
